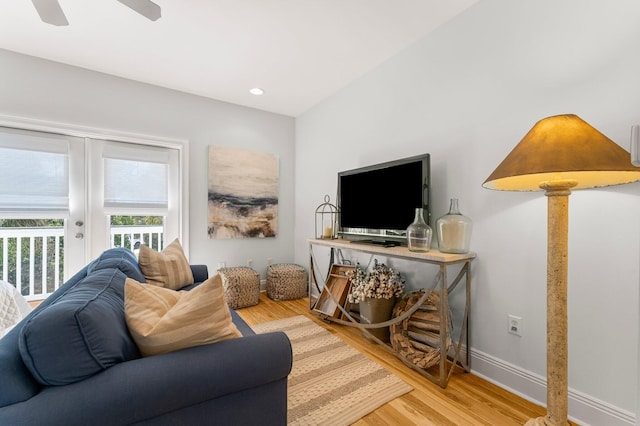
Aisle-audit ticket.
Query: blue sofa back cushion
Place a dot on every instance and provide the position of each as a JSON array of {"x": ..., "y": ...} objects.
[
  {"x": 118, "y": 258},
  {"x": 81, "y": 333},
  {"x": 17, "y": 383}
]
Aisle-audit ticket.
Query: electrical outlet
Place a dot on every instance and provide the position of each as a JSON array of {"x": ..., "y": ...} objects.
[
  {"x": 269, "y": 260},
  {"x": 222, "y": 264},
  {"x": 250, "y": 263},
  {"x": 515, "y": 325}
]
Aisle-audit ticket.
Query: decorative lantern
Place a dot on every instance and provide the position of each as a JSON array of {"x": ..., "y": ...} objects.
[{"x": 327, "y": 220}]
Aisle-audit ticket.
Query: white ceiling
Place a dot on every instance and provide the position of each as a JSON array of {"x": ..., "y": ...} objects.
[{"x": 299, "y": 51}]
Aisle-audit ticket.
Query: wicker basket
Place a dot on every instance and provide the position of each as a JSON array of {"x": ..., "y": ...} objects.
[
  {"x": 241, "y": 286},
  {"x": 286, "y": 281}
]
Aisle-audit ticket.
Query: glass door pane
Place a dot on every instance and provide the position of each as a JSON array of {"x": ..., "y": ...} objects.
[
  {"x": 134, "y": 195},
  {"x": 132, "y": 231},
  {"x": 42, "y": 210},
  {"x": 32, "y": 255}
]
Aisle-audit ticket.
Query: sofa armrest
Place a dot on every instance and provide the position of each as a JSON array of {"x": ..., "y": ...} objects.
[
  {"x": 200, "y": 273},
  {"x": 149, "y": 387}
]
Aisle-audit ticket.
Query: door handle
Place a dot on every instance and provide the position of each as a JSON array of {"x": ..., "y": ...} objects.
[{"x": 79, "y": 235}]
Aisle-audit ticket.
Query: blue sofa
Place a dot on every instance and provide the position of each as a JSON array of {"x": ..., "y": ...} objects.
[{"x": 72, "y": 362}]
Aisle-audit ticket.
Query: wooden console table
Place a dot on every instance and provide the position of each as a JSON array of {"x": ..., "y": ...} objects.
[{"x": 453, "y": 357}]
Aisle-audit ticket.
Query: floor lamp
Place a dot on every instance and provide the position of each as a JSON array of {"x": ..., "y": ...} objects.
[{"x": 559, "y": 154}]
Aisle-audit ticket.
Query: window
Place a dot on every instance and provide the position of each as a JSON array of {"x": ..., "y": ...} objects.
[
  {"x": 34, "y": 206},
  {"x": 134, "y": 195},
  {"x": 35, "y": 172}
]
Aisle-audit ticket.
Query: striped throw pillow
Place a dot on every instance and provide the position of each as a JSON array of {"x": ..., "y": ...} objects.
[
  {"x": 169, "y": 268},
  {"x": 161, "y": 320}
]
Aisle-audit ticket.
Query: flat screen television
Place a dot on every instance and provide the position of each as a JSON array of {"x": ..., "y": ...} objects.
[{"x": 377, "y": 203}]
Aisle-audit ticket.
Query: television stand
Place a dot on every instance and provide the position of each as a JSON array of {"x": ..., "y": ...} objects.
[{"x": 458, "y": 354}]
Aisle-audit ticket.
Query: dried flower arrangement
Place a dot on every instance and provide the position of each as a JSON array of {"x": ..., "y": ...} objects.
[{"x": 381, "y": 283}]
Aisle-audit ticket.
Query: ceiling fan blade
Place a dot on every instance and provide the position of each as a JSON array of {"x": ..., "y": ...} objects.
[
  {"x": 50, "y": 12},
  {"x": 146, "y": 8}
]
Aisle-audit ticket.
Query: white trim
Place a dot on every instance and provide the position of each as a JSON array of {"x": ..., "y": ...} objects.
[
  {"x": 181, "y": 145},
  {"x": 88, "y": 132},
  {"x": 583, "y": 409}
]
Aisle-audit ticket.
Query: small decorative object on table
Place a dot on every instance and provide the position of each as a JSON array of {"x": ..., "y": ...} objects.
[
  {"x": 419, "y": 233},
  {"x": 376, "y": 292},
  {"x": 454, "y": 230},
  {"x": 327, "y": 219}
]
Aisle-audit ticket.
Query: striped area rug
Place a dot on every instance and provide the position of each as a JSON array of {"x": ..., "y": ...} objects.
[{"x": 331, "y": 383}]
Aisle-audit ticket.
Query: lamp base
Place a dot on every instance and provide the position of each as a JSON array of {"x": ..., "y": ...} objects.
[{"x": 543, "y": 421}]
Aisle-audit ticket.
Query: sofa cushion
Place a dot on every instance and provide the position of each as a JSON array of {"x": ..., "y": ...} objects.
[
  {"x": 163, "y": 320},
  {"x": 169, "y": 268},
  {"x": 117, "y": 258},
  {"x": 16, "y": 383},
  {"x": 82, "y": 333}
]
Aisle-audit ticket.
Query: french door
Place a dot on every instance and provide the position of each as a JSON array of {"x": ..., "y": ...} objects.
[{"x": 65, "y": 199}]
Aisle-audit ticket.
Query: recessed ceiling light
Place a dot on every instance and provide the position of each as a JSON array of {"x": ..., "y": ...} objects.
[{"x": 256, "y": 91}]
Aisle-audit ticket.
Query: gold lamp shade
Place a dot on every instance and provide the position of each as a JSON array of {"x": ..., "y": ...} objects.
[{"x": 563, "y": 147}]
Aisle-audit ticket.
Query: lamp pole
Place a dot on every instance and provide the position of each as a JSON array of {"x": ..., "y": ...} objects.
[{"x": 557, "y": 266}]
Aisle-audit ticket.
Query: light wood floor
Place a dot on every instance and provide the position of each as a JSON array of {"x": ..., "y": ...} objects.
[{"x": 467, "y": 400}]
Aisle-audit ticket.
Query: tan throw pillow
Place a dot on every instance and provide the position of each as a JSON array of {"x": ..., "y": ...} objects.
[
  {"x": 162, "y": 320},
  {"x": 168, "y": 269}
]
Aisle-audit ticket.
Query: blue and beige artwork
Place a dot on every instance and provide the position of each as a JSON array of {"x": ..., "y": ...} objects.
[{"x": 243, "y": 193}]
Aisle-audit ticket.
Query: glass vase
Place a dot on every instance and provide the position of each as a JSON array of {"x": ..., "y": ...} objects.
[
  {"x": 454, "y": 230},
  {"x": 419, "y": 233}
]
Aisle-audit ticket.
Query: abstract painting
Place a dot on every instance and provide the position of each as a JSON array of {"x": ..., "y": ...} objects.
[{"x": 243, "y": 193}]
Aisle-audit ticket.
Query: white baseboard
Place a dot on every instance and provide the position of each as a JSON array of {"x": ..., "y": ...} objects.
[{"x": 583, "y": 409}]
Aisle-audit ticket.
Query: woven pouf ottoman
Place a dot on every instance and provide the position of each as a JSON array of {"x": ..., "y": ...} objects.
[
  {"x": 286, "y": 281},
  {"x": 241, "y": 286}
]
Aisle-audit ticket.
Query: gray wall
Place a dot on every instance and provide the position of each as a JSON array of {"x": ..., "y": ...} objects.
[
  {"x": 467, "y": 94},
  {"x": 44, "y": 90}
]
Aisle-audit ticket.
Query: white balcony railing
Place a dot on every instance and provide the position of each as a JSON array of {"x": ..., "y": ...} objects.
[
  {"x": 33, "y": 258},
  {"x": 128, "y": 236}
]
